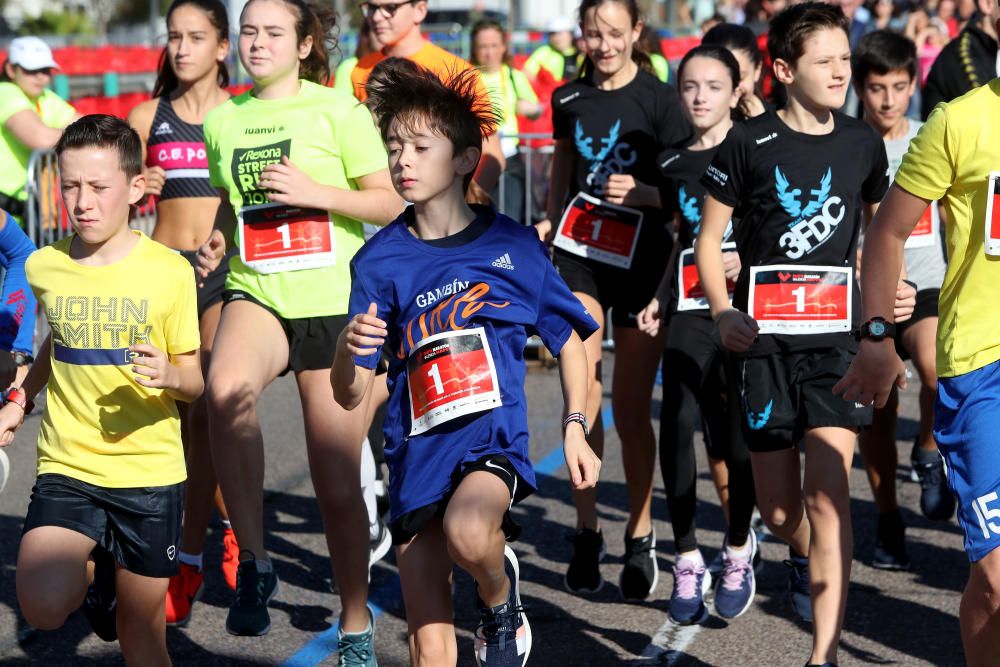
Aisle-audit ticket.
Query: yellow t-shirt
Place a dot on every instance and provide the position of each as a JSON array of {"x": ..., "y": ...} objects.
[
  {"x": 100, "y": 426},
  {"x": 14, "y": 155},
  {"x": 328, "y": 135},
  {"x": 950, "y": 159}
]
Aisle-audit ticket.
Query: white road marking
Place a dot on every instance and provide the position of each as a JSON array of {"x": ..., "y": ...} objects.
[{"x": 668, "y": 644}]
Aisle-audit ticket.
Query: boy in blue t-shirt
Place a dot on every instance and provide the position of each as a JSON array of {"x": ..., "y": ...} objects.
[{"x": 452, "y": 292}]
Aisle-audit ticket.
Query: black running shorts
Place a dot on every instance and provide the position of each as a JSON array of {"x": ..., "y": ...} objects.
[
  {"x": 406, "y": 527},
  {"x": 214, "y": 284},
  {"x": 784, "y": 394},
  {"x": 140, "y": 527},
  {"x": 625, "y": 292},
  {"x": 312, "y": 341},
  {"x": 927, "y": 306}
]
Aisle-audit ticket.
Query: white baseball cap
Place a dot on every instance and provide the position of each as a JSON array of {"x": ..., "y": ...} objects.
[
  {"x": 560, "y": 24},
  {"x": 30, "y": 53}
]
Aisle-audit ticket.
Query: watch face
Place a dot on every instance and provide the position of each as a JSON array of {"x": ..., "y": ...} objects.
[{"x": 876, "y": 328}]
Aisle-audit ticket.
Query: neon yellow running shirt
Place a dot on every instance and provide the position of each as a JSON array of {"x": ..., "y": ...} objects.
[{"x": 327, "y": 135}]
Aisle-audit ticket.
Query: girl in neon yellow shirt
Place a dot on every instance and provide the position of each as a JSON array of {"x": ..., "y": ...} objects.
[{"x": 299, "y": 165}]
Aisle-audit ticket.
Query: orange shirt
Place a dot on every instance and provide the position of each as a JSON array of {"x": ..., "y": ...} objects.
[{"x": 441, "y": 62}]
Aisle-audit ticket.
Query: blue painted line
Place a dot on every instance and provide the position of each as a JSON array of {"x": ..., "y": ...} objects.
[
  {"x": 324, "y": 644},
  {"x": 390, "y": 594}
]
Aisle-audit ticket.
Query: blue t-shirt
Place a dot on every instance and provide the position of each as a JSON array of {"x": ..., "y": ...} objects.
[{"x": 503, "y": 282}]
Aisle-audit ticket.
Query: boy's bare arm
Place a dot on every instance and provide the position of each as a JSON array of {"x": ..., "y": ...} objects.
[
  {"x": 584, "y": 466},
  {"x": 362, "y": 336}
]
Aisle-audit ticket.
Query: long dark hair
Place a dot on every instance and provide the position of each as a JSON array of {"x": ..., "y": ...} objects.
[
  {"x": 720, "y": 53},
  {"x": 639, "y": 55},
  {"x": 319, "y": 22},
  {"x": 166, "y": 78},
  {"x": 489, "y": 24}
]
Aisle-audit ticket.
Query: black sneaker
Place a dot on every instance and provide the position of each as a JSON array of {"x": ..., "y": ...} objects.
[
  {"x": 503, "y": 638},
  {"x": 936, "y": 501},
  {"x": 584, "y": 573},
  {"x": 248, "y": 615},
  {"x": 890, "y": 544},
  {"x": 640, "y": 574},
  {"x": 101, "y": 604},
  {"x": 798, "y": 587}
]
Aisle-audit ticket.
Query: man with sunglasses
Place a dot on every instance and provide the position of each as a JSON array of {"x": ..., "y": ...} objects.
[
  {"x": 32, "y": 117},
  {"x": 396, "y": 25}
]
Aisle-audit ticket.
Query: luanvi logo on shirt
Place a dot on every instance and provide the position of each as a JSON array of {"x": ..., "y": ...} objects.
[
  {"x": 249, "y": 162},
  {"x": 813, "y": 223},
  {"x": 569, "y": 98},
  {"x": 250, "y": 131},
  {"x": 765, "y": 139}
]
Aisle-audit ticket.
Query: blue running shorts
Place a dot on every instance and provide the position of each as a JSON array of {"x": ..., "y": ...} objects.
[{"x": 966, "y": 424}]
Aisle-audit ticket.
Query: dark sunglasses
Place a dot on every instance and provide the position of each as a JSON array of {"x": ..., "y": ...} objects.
[{"x": 387, "y": 9}]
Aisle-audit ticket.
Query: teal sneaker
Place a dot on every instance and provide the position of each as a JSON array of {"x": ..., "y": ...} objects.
[{"x": 357, "y": 649}]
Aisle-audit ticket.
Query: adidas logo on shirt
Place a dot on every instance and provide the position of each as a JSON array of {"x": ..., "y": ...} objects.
[
  {"x": 164, "y": 128},
  {"x": 503, "y": 262}
]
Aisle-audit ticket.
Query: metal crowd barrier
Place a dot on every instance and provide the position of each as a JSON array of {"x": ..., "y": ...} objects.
[
  {"x": 46, "y": 220},
  {"x": 537, "y": 166}
]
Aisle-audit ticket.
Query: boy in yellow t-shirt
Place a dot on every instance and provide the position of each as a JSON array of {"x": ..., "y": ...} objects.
[
  {"x": 954, "y": 159},
  {"x": 122, "y": 350}
]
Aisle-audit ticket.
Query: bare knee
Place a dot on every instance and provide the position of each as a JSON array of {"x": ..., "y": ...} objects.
[
  {"x": 229, "y": 395},
  {"x": 432, "y": 649},
  {"x": 784, "y": 517},
  {"x": 469, "y": 537},
  {"x": 983, "y": 589},
  {"x": 44, "y": 609}
]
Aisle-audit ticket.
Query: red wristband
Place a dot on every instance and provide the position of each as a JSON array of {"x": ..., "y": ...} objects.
[{"x": 19, "y": 398}]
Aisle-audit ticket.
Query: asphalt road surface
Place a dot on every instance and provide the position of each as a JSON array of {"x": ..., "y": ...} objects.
[{"x": 908, "y": 618}]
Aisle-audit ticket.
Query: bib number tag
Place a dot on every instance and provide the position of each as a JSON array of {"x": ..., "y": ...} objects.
[
  {"x": 451, "y": 374},
  {"x": 690, "y": 295},
  {"x": 796, "y": 299},
  {"x": 599, "y": 230},
  {"x": 926, "y": 231},
  {"x": 993, "y": 217},
  {"x": 276, "y": 238}
]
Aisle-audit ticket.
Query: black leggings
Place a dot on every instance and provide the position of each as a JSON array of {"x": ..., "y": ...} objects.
[{"x": 698, "y": 372}]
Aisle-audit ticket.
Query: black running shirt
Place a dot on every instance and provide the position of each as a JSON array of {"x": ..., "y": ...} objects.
[
  {"x": 799, "y": 200},
  {"x": 619, "y": 132}
]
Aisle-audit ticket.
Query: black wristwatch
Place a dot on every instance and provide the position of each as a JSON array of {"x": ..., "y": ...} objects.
[{"x": 877, "y": 329}]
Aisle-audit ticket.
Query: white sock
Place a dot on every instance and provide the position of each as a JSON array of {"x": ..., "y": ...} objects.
[
  {"x": 190, "y": 559},
  {"x": 694, "y": 557},
  {"x": 742, "y": 552},
  {"x": 226, "y": 525}
]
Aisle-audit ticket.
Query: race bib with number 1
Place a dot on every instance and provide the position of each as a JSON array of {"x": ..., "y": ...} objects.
[
  {"x": 690, "y": 294},
  {"x": 276, "y": 238},
  {"x": 797, "y": 299},
  {"x": 599, "y": 230},
  {"x": 450, "y": 374}
]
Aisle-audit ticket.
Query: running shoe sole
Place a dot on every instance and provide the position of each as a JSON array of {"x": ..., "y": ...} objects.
[
  {"x": 4, "y": 469},
  {"x": 510, "y": 555},
  {"x": 381, "y": 549}
]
